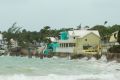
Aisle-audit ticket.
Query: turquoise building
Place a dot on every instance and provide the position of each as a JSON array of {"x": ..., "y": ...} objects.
[
  {"x": 51, "y": 47},
  {"x": 64, "y": 35}
]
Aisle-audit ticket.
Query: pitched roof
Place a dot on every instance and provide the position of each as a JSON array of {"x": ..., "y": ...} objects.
[
  {"x": 52, "y": 39},
  {"x": 82, "y": 33}
]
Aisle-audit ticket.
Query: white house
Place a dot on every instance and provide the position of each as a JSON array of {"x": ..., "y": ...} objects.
[
  {"x": 1, "y": 41},
  {"x": 113, "y": 38},
  {"x": 3, "y": 44},
  {"x": 14, "y": 43}
]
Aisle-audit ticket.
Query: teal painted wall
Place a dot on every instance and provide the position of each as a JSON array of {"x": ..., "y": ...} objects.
[
  {"x": 51, "y": 47},
  {"x": 63, "y": 35}
]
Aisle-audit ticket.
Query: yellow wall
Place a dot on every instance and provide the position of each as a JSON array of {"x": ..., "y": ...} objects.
[
  {"x": 112, "y": 38},
  {"x": 91, "y": 38}
]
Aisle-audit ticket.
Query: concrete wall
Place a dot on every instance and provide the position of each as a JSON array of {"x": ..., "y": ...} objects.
[{"x": 65, "y": 49}]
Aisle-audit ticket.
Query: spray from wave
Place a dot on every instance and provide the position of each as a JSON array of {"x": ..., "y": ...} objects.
[
  {"x": 16, "y": 68},
  {"x": 62, "y": 77}
]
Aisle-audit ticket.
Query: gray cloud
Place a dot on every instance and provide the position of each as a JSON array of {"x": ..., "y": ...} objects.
[{"x": 34, "y": 14}]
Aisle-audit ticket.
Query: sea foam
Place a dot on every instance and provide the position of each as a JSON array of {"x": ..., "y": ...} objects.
[{"x": 61, "y": 77}]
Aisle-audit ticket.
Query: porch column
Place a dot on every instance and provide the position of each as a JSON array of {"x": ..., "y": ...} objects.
[
  {"x": 64, "y": 45},
  {"x": 68, "y": 44}
]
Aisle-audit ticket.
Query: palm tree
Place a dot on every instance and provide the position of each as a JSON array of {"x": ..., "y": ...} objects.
[{"x": 105, "y": 22}]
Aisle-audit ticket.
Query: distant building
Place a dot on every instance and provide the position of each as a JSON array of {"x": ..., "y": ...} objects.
[
  {"x": 3, "y": 44},
  {"x": 14, "y": 43},
  {"x": 113, "y": 38},
  {"x": 1, "y": 40}
]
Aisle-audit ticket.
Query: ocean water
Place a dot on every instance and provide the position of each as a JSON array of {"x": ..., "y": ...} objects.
[{"x": 23, "y": 68}]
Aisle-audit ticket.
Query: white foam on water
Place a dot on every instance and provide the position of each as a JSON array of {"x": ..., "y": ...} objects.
[
  {"x": 55, "y": 57},
  {"x": 92, "y": 59},
  {"x": 62, "y": 77},
  {"x": 85, "y": 58},
  {"x": 103, "y": 59},
  {"x": 58, "y": 69}
]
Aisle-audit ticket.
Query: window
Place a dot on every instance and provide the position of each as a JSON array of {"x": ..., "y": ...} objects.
[
  {"x": 86, "y": 47},
  {"x": 73, "y": 45},
  {"x": 60, "y": 45},
  {"x": 115, "y": 35},
  {"x": 70, "y": 45},
  {"x": 85, "y": 39},
  {"x": 67, "y": 45}
]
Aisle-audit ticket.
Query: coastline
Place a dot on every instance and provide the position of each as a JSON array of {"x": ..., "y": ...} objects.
[{"x": 109, "y": 56}]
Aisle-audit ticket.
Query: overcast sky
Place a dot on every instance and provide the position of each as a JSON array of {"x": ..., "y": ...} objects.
[{"x": 34, "y": 14}]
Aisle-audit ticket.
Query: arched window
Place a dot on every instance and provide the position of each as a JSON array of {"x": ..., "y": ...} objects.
[{"x": 115, "y": 35}]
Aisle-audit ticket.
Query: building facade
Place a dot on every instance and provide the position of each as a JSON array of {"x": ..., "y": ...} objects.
[
  {"x": 88, "y": 44},
  {"x": 78, "y": 42},
  {"x": 113, "y": 38}
]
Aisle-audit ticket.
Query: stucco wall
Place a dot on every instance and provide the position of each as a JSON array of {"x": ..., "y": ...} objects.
[{"x": 90, "y": 39}]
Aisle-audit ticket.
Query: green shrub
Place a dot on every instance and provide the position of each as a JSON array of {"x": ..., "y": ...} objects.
[
  {"x": 114, "y": 49},
  {"x": 118, "y": 37}
]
